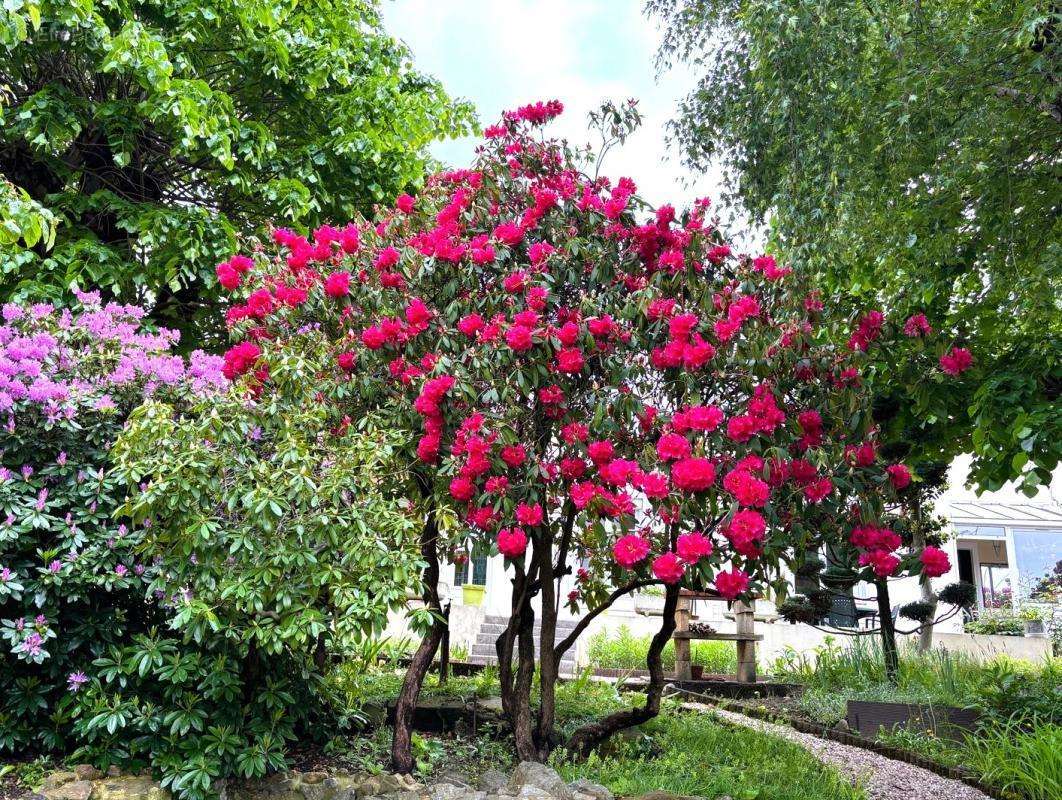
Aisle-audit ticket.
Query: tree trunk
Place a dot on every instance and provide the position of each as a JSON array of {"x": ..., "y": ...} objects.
[
  {"x": 548, "y": 667},
  {"x": 401, "y": 742},
  {"x": 925, "y": 632},
  {"x": 888, "y": 632},
  {"x": 520, "y": 702},
  {"x": 589, "y": 736}
]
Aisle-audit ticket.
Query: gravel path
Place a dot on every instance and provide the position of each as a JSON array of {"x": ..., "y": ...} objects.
[{"x": 883, "y": 778}]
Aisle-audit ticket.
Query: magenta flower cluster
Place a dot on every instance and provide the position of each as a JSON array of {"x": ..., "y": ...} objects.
[{"x": 59, "y": 361}]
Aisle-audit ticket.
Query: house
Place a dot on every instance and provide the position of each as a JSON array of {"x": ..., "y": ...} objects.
[{"x": 1002, "y": 542}]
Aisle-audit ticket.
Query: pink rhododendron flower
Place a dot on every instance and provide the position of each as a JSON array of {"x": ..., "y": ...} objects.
[
  {"x": 746, "y": 487},
  {"x": 462, "y": 489},
  {"x": 518, "y": 337},
  {"x": 531, "y": 515},
  {"x": 883, "y": 563},
  {"x": 337, "y": 284},
  {"x": 668, "y": 568},
  {"x": 956, "y": 361},
  {"x": 693, "y": 474},
  {"x": 404, "y": 203},
  {"x": 691, "y": 547},
  {"x": 731, "y": 583},
  {"x": 512, "y": 542},
  {"x": 514, "y": 455},
  {"x": 899, "y": 475},
  {"x": 629, "y": 550},
  {"x": 570, "y": 360},
  {"x": 671, "y": 447},
  {"x": 934, "y": 562},
  {"x": 917, "y": 325}
]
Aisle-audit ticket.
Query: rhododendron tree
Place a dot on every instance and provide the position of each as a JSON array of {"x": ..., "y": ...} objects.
[
  {"x": 72, "y": 577},
  {"x": 595, "y": 388}
]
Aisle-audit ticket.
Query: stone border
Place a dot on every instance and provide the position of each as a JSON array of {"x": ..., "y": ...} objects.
[{"x": 854, "y": 740}]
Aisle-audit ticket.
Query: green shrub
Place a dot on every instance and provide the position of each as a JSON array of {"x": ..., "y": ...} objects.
[
  {"x": 998, "y": 623},
  {"x": 73, "y": 577},
  {"x": 268, "y": 563}
]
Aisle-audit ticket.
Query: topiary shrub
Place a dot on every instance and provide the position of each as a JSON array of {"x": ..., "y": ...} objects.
[
  {"x": 918, "y": 611},
  {"x": 960, "y": 593}
]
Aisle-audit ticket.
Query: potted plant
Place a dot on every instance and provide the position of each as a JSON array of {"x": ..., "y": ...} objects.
[
  {"x": 1033, "y": 618},
  {"x": 472, "y": 594}
]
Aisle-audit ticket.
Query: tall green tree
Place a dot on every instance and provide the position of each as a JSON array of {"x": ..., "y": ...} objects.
[
  {"x": 156, "y": 132},
  {"x": 909, "y": 152}
]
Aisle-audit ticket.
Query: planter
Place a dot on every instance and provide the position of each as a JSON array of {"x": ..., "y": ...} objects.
[
  {"x": 1035, "y": 627},
  {"x": 868, "y": 717},
  {"x": 472, "y": 594}
]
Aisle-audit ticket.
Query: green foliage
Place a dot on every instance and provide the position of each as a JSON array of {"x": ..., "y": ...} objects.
[
  {"x": 624, "y": 650},
  {"x": 255, "y": 517},
  {"x": 277, "y": 544},
  {"x": 997, "y": 623},
  {"x": 152, "y": 134},
  {"x": 695, "y": 754},
  {"x": 960, "y": 594},
  {"x": 918, "y": 611},
  {"x": 1015, "y": 758},
  {"x": 1000, "y": 688},
  {"x": 72, "y": 580},
  {"x": 193, "y": 713},
  {"x": 908, "y": 153}
]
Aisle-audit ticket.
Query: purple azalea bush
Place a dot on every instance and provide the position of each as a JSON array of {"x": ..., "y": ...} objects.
[{"x": 72, "y": 579}]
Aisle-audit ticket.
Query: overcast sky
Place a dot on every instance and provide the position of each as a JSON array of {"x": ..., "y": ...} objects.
[{"x": 505, "y": 53}]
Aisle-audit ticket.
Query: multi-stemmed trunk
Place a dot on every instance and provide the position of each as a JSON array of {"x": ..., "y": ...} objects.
[{"x": 593, "y": 734}]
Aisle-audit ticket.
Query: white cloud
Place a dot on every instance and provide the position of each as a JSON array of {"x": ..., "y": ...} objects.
[{"x": 506, "y": 53}]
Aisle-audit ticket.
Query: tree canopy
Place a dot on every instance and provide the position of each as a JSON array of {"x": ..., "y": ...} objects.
[
  {"x": 908, "y": 152},
  {"x": 155, "y": 132}
]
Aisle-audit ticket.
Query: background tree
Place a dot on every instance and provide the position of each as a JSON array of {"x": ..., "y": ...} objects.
[
  {"x": 156, "y": 132},
  {"x": 908, "y": 153}
]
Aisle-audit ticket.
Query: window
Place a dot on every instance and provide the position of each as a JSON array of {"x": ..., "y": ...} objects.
[
  {"x": 1039, "y": 557},
  {"x": 479, "y": 572},
  {"x": 980, "y": 532}
]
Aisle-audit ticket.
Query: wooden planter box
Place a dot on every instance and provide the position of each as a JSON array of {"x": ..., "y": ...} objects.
[{"x": 868, "y": 717}]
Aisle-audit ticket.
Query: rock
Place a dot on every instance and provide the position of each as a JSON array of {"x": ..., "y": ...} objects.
[
  {"x": 313, "y": 778},
  {"x": 342, "y": 786},
  {"x": 87, "y": 772},
  {"x": 493, "y": 781},
  {"x": 128, "y": 787},
  {"x": 842, "y": 725},
  {"x": 113, "y": 771},
  {"x": 57, "y": 779},
  {"x": 528, "y": 792},
  {"x": 383, "y": 784},
  {"x": 532, "y": 775},
  {"x": 69, "y": 790},
  {"x": 454, "y": 778},
  {"x": 448, "y": 791},
  {"x": 594, "y": 790}
]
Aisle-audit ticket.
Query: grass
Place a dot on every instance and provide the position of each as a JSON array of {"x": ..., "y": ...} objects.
[
  {"x": 1014, "y": 757},
  {"x": 624, "y": 650},
  {"x": 696, "y": 754},
  {"x": 938, "y": 677}
]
